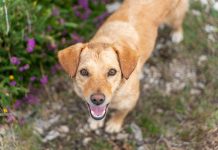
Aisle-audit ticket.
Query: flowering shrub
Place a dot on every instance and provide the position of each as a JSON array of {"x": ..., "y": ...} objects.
[{"x": 31, "y": 32}]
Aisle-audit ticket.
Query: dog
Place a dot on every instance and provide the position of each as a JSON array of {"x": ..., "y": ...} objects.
[{"x": 105, "y": 71}]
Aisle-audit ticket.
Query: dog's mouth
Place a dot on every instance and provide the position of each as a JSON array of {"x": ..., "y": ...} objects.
[{"x": 97, "y": 112}]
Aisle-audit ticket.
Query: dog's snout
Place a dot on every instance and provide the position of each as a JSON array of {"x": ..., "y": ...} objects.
[{"x": 97, "y": 98}]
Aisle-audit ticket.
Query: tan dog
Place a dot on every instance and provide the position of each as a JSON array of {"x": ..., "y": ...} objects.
[{"x": 106, "y": 70}]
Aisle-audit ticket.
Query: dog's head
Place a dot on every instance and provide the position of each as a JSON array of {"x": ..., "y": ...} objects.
[{"x": 98, "y": 69}]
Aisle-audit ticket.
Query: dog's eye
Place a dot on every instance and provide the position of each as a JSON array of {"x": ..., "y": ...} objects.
[
  {"x": 84, "y": 72},
  {"x": 112, "y": 72}
]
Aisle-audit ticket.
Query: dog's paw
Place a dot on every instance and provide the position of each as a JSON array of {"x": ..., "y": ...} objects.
[
  {"x": 95, "y": 124},
  {"x": 177, "y": 36},
  {"x": 113, "y": 127}
]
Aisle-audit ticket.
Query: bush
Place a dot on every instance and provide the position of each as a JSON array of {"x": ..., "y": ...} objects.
[{"x": 37, "y": 29}]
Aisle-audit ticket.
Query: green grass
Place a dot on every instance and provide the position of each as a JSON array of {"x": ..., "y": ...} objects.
[
  {"x": 149, "y": 126},
  {"x": 21, "y": 138},
  {"x": 100, "y": 144}
]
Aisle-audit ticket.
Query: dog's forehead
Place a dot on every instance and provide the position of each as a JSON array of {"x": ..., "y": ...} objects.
[{"x": 98, "y": 54}]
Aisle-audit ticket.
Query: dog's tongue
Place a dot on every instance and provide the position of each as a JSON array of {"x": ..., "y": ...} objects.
[{"x": 97, "y": 110}]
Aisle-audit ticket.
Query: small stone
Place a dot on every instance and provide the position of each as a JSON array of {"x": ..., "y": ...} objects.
[
  {"x": 97, "y": 132},
  {"x": 210, "y": 28},
  {"x": 113, "y": 6},
  {"x": 2, "y": 130},
  {"x": 63, "y": 129},
  {"x": 195, "y": 92},
  {"x": 112, "y": 137},
  {"x": 196, "y": 12},
  {"x": 202, "y": 59},
  {"x": 122, "y": 136},
  {"x": 200, "y": 85},
  {"x": 137, "y": 132},
  {"x": 86, "y": 140},
  {"x": 81, "y": 130},
  {"x": 39, "y": 130},
  {"x": 215, "y": 6},
  {"x": 204, "y": 2},
  {"x": 143, "y": 147},
  {"x": 159, "y": 46},
  {"x": 54, "y": 119},
  {"x": 211, "y": 37},
  {"x": 51, "y": 136},
  {"x": 159, "y": 110}
]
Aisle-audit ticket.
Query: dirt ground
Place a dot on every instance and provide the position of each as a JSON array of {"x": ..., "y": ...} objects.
[{"x": 177, "y": 108}]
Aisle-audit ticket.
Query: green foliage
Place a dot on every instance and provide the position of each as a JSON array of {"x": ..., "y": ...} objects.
[
  {"x": 150, "y": 126},
  {"x": 101, "y": 144}
]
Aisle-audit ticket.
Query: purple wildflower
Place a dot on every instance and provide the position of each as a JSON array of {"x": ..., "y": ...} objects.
[
  {"x": 55, "y": 11},
  {"x": 17, "y": 104},
  {"x": 24, "y": 68},
  {"x": 21, "y": 69},
  {"x": 33, "y": 78},
  {"x": 64, "y": 33},
  {"x": 13, "y": 83},
  {"x": 44, "y": 80},
  {"x": 61, "y": 21},
  {"x": 52, "y": 46},
  {"x": 31, "y": 99},
  {"x": 55, "y": 68},
  {"x": 14, "y": 60},
  {"x": 83, "y": 3},
  {"x": 76, "y": 38},
  {"x": 21, "y": 121},
  {"x": 10, "y": 118},
  {"x": 63, "y": 41},
  {"x": 31, "y": 43},
  {"x": 82, "y": 13},
  {"x": 49, "y": 28}
]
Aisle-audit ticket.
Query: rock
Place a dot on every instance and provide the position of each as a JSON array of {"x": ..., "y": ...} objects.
[
  {"x": 86, "y": 140},
  {"x": 211, "y": 37},
  {"x": 196, "y": 12},
  {"x": 97, "y": 132},
  {"x": 137, "y": 132},
  {"x": 143, "y": 147},
  {"x": 202, "y": 59},
  {"x": 41, "y": 125},
  {"x": 2, "y": 130},
  {"x": 39, "y": 130},
  {"x": 159, "y": 110},
  {"x": 54, "y": 119},
  {"x": 63, "y": 129},
  {"x": 122, "y": 136},
  {"x": 215, "y": 6},
  {"x": 195, "y": 92},
  {"x": 113, "y": 6},
  {"x": 51, "y": 136},
  {"x": 159, "y": 46},
  {"x": 210, "y": 28},
  {"x": 84, "y": 129},
  {"x": 204, "y": 2},
  {"x": 200, "y": 85}
]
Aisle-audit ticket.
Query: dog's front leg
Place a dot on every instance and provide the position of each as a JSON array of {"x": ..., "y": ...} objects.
[{"x": 116, "y": 121}]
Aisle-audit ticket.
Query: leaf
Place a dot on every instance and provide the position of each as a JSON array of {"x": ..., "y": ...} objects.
[{"x": 71, "y": 25}]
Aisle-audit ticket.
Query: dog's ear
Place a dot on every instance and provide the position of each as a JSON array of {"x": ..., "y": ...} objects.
[
  {"x": 69, "y": 58},
  {"x": 127, "y": 57}
]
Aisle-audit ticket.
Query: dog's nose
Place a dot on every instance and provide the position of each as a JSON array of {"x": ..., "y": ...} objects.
[{"x": 97, "y": 98}]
